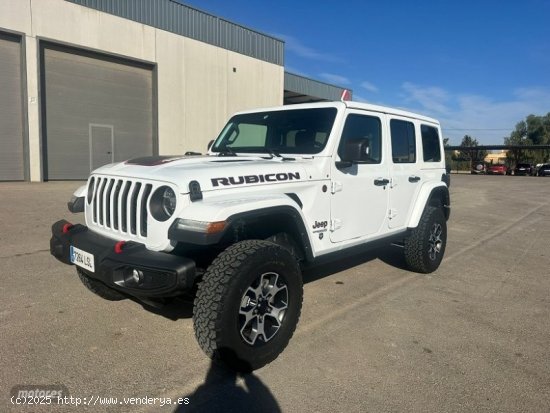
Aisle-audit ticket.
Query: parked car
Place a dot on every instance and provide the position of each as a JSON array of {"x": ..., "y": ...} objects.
[
  {"x": 498, "y": 169},
  {"x": 544, "y": 170},
  {"x": 524, "y": 169},
  {"x": 478, "y": 168}
]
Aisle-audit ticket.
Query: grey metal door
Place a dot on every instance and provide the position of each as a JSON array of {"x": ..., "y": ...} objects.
[
  {"x": 102, "y": 145},
  {"x": 83, "y": 89},
  {"x": 12, "y": 149}
]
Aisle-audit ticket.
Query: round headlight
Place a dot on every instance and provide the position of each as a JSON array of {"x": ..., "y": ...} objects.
[
  {"x": 168, "y": 201},
  {"x": 91, "y": 190},
  {"x": 163, "y": 203}
]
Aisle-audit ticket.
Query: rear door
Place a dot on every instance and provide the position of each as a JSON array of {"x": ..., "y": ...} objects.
[{"x": 406, "y": 179}]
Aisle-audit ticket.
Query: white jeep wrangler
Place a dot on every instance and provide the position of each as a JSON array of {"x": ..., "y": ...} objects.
[{"x": 279, "y": 189}]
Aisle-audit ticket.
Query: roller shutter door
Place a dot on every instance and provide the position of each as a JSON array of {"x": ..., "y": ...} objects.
[
  {"x": 12, "y": 149},
  {"x": 97, "y": 110}
]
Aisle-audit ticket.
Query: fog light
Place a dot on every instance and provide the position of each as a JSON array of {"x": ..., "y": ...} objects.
[{"x": 137, "y": 276}]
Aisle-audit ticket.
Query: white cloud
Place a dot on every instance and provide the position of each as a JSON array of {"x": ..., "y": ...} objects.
[
  {"x": 336, "y": 79},
  {"x": 369, "y": 86},
  {"x": 482, "y": 117},
  {"x": 431, "y": 98}
]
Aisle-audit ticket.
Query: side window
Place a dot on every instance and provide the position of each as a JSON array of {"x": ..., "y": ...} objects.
[
  {"x": 403, "y": 141},
  {"x": 430, "y": 144},
  {"x": 364, "y": 127}
]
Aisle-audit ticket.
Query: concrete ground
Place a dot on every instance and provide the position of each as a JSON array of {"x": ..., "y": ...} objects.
[{"x": 373, "y": 337}]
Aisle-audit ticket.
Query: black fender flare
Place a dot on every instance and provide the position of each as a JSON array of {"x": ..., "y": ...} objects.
[{"x": 292, "y": 222}]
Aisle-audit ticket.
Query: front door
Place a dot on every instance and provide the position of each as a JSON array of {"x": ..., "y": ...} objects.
[{"x": 360, "y": 193}]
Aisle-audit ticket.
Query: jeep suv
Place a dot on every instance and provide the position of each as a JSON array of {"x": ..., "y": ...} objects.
[{"x": 279, "y": 189}]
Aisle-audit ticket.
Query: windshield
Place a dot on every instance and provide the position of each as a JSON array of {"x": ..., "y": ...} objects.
[{"x": 296, "y": 131}]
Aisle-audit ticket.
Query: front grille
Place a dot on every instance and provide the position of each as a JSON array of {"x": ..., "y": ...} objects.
[{"x": 121, "y": 205}]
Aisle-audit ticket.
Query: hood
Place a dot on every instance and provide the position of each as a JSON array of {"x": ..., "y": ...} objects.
[{"x": 212, "y": 172}]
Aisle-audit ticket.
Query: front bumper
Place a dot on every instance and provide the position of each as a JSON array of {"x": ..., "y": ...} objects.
[{"x": 163, "y": 275}]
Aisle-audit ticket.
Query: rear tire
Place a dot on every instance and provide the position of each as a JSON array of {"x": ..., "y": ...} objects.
[
  {"x": 425, "y": 247},
  {"x": 248, "y": 304},
  {"x": 98, "y": 288}
]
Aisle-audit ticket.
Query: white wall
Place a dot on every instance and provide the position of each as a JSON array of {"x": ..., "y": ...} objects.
[{"x": 197, "y": 87}]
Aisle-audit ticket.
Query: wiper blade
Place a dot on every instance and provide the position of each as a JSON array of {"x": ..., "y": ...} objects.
[
  {"x": 277, "y": 154},
  {"x": 272, "y": 153},
  {"x": 227, "y": 151}
]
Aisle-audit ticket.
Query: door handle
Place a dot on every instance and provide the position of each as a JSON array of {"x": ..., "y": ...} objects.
[
  {"x": 381, "y": 181},
  {"x": 414, "y": 178}
]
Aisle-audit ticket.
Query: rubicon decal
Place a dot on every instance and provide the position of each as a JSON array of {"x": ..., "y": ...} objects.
[{"x": 254, "y": 179}]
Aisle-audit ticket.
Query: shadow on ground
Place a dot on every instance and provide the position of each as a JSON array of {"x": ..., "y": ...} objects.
[
  {"x": 224, "y": 390},
  {"x": 391, "y": 255},
  {"x": 174, "y": 309},
  {"x": 182, "y": 307}
]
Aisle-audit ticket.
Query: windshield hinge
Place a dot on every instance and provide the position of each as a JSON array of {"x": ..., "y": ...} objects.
[
  {"x": 336, "y": 187},
  {"x": 335, "y": 224}
]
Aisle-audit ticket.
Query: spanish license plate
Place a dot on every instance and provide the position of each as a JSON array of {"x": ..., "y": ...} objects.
[{"x": 82, "y": 258}]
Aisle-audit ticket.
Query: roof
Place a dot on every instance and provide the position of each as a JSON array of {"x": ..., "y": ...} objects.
[
  {"x": 352, "y": 105},
  {"x": 388, "y": 110}
]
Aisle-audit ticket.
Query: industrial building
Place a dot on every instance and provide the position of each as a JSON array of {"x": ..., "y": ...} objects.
[{"x": 88, "y": 82}]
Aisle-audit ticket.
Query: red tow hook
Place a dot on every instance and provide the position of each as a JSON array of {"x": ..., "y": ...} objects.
[
  {"x": 67, "y": 227},
  {"x": 118, "y": 247}
]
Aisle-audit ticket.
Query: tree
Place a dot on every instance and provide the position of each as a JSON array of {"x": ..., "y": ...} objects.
[
  {"x": 534, "y": 130},
  {"x": 472, "y": 154}
]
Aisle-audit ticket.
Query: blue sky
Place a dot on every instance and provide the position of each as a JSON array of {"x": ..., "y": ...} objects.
[{"x": 477, "y": 66}]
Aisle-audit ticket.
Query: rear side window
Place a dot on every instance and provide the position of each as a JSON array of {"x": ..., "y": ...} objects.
[
  {"x": 430, "y": 144},
  {"x": 403, "y": 141},
  {"x": 364, "y": 127}
]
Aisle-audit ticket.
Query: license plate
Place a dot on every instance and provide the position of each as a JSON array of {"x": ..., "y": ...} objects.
[{"x": 82, "y": 258}]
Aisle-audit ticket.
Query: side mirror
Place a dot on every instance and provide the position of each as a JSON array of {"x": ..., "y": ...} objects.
[
  {"x": 210, "y": 144},
  {"x": 355, "y": 151}
]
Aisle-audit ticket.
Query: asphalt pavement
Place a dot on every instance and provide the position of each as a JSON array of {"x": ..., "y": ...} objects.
[{"x": 472, "y": 337}]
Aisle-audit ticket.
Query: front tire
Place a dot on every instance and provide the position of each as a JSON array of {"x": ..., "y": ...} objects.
[
  {"x": 248, "y": 304},
  {"x": 425, "y": 247}
]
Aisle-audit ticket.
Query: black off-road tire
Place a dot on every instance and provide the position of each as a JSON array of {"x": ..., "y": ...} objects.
[
  {"x": 98, "y": 288},
  {"x": 425, "y": 247},
  {"x": 217, "y": 320}
]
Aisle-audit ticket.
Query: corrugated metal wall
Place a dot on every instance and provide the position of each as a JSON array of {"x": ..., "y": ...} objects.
[
  {"x": 310, "y": 87},
  {"x": 178, "y": 18}
]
